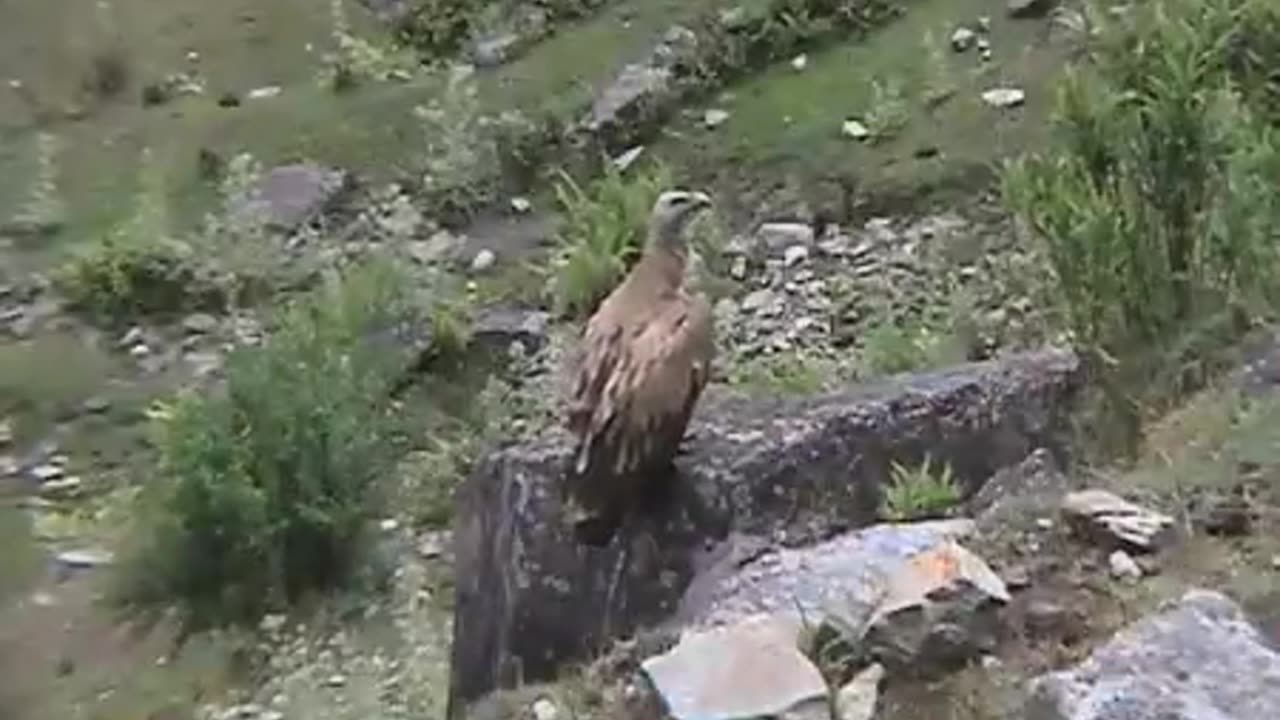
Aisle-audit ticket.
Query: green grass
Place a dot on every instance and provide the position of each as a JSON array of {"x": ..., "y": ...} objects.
[
  {"x": 919, "y": 492},
  {"x": 371, "y": 129},
  {"x": 786, "y": 123}
]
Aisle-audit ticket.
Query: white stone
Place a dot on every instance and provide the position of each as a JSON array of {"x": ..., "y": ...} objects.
[
  {"x": 800, "y": 62},
  {"x": 521, "y": 205},
  {"x": 857, "y": 699},
  {"x": 855, "y": 130},
  {"x": 545, "y": 709},
  {"x": 1123, "y": 567},
  {"x": 262, "y": 93},
  {"x": 962, "y": 39},
  {"x": 1004, "y": 97},
  {"x": 628, "y": 158},
  {"x": 715, "y": 117},
  {"x": 795, "y": 255},
  {"x": 483, "y": 260}
]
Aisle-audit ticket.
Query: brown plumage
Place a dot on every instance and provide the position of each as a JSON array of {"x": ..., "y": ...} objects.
[{"x": 643, "y": 363}]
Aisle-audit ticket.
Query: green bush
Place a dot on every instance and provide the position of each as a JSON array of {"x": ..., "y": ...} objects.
[
  {"x": 603, "y": 232},
  {"x": 266, "y": 489},
  {"x": 1157, "y": 200},
  {"x": 125, "y": 276}
]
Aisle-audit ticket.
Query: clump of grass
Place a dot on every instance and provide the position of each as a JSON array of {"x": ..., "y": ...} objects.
[
  {"x": 919, "y": 492},
  {"x": 887, "y": 110},
  {"x": 603, "y": 232},
  {"x": 266, "y": 489},
  {"x": 1157, "y": 201}
]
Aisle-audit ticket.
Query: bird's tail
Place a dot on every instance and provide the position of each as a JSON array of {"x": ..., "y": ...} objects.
[{"x": 597, "y": 529}]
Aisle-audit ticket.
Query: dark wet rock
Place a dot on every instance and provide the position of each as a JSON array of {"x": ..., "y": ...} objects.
[
  {"x": 1030, "y": 8},
  {"x": 940, "y": 612},
  {"x": 793, "y": 472},
  {"x": 497, "y": 328},
  {"x": 1225, "y": 516},
  {"x": 1110, "y": 520},
  {"x": 1198, "y": 659},
  {"x": 748, "y": 670}
]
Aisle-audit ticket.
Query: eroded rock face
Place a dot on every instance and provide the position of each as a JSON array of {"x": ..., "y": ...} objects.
[
  {"x": 1199, "y": 660},
  {"x": 794, "y": 473}
]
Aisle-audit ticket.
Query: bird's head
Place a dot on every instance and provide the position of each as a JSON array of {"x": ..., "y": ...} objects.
[{"x": 672, "y": 213}]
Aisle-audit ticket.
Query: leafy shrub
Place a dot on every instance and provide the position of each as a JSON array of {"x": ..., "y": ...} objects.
[
  {"x": 920, "y": 492},
  {"x": 1157, "y": 201},
  {"x": 354, "y": 60},
  {"x": 266, "y": 489},
  {"x": 124, "y": 276},
  {"x": 439, "y": 28},
  {"x": 603, "y": 232}
]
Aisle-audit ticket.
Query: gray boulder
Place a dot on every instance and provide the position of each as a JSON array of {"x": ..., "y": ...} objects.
[
  {"x": 290, "y": 195},
  {"x": 641, "y": 95},
  {"x": 1198, "y": 660},
  {"x": 529, "y": 598}
]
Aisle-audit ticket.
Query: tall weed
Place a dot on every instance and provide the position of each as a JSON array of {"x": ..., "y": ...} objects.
[
  {"x": 1157, "y": 199},
  {"x": 603, "y": 232}
]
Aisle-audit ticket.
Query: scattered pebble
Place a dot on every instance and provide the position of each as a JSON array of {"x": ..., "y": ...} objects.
[
  {"x": 46, "y": 472},
  {"x": 483, "y": 260},
  {"x": 85, "y": 558},
  {"x": 545, "y": 709},
  {"x": 715, "y": 117},
  {"x": 855, "y": 130},
  {"x": 69, "y": 486},
  {"x": 962, "y": 39},
  {"x": 1004, "y": 97},
  {"x": 200, "y": 323},
  {"x": 628, "y": 158},
  {"x": 335, "y": 681},
  {"x": 1123, "y": 566},
  {"x": 263, "y": 93},
  {"x": 795, "y": 255},
  {"x": 96, "y": 405}
]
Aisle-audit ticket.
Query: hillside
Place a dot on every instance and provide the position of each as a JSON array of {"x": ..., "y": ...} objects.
[{"x": 288, "y": 291}]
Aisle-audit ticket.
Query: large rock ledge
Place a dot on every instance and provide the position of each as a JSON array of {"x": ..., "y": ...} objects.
[{"x": 529, "y": 599}]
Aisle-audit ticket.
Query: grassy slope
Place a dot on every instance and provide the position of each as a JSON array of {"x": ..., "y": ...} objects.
[{"x": 785, "y": 125}]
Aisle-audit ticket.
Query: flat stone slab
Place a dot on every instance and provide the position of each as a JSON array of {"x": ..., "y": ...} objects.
[
  {"x": 750, "y": 670},
  {"x": 1200, "y": 659}
]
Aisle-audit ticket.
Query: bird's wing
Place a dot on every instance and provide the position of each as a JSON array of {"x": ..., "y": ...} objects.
[{"x": 646, "y": 402}]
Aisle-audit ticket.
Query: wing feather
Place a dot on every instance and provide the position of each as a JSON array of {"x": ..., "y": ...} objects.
[{"x": 637, "y": 396}]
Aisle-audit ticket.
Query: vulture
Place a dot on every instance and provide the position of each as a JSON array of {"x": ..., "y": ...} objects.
[{"x": 643, "y": 362}]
